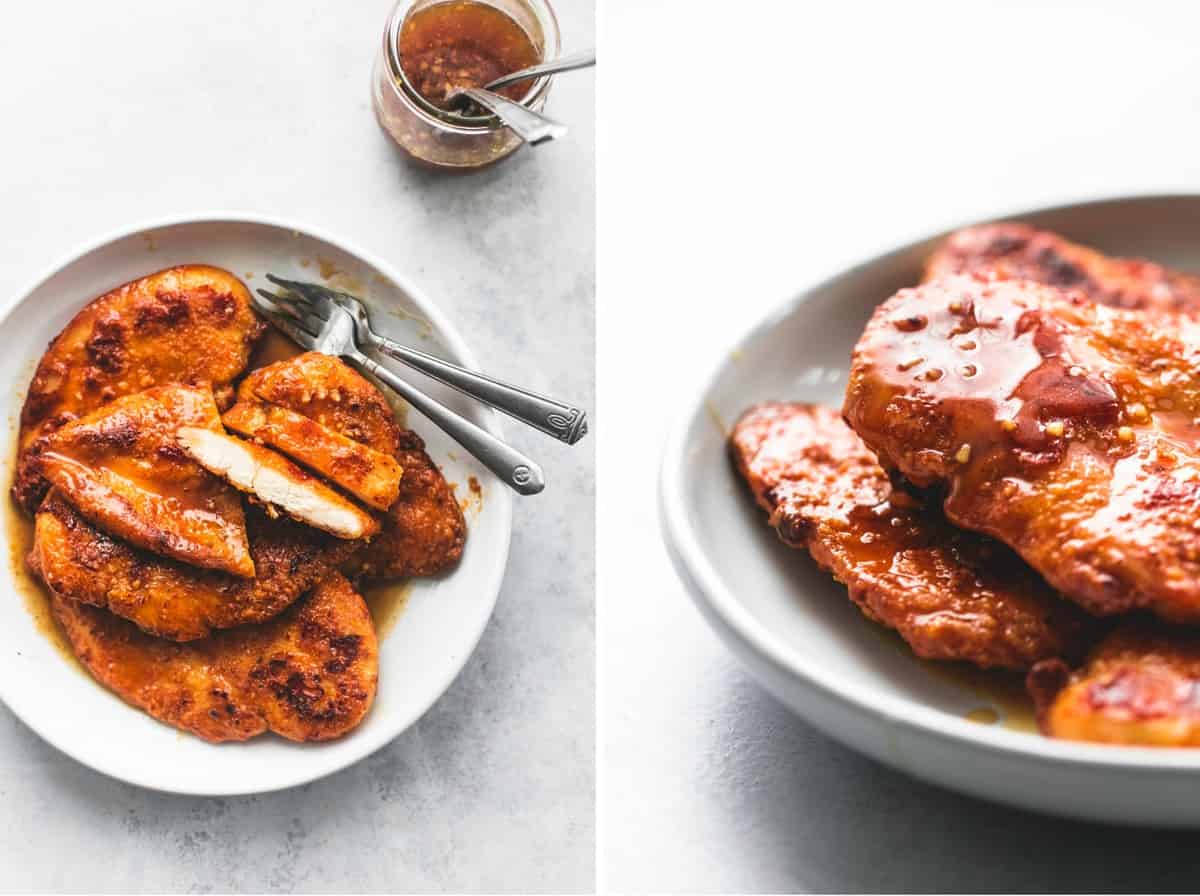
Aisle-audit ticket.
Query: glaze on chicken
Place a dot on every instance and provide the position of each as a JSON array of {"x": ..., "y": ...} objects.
[
  {"x": 952, "y": 595},
  {"x": 1019, "y": 252},
  {"x": 192, "y": 324},
  {"x": 125, "y": 470},
  {"x": 309, "y": 674},
  {"x": 1063, "y": 428},
  {"x": 170, "y": 599},
  {"x": 424, "y": 530},
  {"x": 1140, "y": 686}
]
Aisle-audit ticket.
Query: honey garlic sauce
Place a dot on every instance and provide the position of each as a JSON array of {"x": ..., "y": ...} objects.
[
  {"x": 463, "y": 43},
  {"x": 1009, "y": 381},
  {"x": 1067, "y": 429},
  {"x": 19, "y": 530}
]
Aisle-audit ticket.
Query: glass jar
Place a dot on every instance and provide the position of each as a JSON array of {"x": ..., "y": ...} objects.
[{"x": 449, "y": 140}]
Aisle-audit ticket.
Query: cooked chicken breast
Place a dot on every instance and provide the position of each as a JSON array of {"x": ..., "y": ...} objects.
[
  {"x": 1138, "y": 687},
  {"x": 123, "y": 468},
  {"x": 371, "y": 476},
  {"x": 1064, "y": 428},
  {"x": 1020, "y": 252},
  {"x": 192, "y": 324},
  {"x": 277, "y": 482},
  {"x": 424, "y": 530},
  {"x": 308, "y": 674},
  {"x": 327, "y": 390},
  {"x": 952, "y": 595},
  {"x": 170, "y": 599}
]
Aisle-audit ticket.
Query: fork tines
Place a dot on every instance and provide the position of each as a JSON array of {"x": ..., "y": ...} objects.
[{"x": 298, "y": 325}]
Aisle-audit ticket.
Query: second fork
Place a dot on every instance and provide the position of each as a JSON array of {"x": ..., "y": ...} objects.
[{"x": 565, "y": 422}]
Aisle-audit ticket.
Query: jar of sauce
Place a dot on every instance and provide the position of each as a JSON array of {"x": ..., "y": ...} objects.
[{"x": 430, "y": 46}]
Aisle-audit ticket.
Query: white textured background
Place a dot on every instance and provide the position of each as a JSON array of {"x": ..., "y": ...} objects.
[
  {"x": 786, "y": 141},
  {"x": 119, "y": 111}
]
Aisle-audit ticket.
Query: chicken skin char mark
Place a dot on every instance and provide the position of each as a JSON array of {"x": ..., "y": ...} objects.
[
  {"x": 369, "y": 475},
  {"x": 170, "y": 599},
  {"x": 1060, "y": 427},
  {"x": 1020, "y": 252},
  {"x": 123, "y": 468},
  {"x": 192, "y": 324},
  {"x": 952, "y": 595},
  {"x": 1140, "y": 686},
  {"x": 308, "y": 674},
  {"x": 423, "y": 531}
]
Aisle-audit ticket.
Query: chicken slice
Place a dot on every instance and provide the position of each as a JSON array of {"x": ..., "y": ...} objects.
[
  {"x": 424, "y": 531},
  {"x": 952, "y": 595},
  {"x": 308, "y": 674},
  {"x": 1139, "y": 687},
  {"x": 371, "y": 476},
  {"x": 172, "y": 600},
  {"x": 124, "y": 470},
  {"x": 192, "y": 324},
  {"x": 277, "y": 482}
]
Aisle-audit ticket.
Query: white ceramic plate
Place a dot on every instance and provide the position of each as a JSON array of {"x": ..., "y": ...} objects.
[
  {"x": 794, "y": 627},
  {"x": 442, "y": 619}
]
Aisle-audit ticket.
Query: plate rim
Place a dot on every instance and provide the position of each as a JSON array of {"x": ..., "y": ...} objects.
[
  {"x": 453, "y": 340},
  {"x": 721, "y": 607}
]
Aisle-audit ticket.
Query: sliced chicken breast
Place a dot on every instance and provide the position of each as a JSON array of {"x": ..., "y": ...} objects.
[
  {"x": 277, "y": 482},
  {"x": 371, "y": 476},
  {"x": 121, "y": 468}
]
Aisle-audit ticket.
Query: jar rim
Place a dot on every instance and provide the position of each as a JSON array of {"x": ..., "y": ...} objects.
[{"x": 452, "y": 121}]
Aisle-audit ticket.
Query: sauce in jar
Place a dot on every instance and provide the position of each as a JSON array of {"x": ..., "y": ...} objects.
[
  {"x": 432, "y": 46},
  {"x": 463, "y": 43}
]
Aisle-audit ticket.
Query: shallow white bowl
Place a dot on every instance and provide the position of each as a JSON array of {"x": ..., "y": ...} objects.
[
  {"x": 443, "y": 618},
  {"x": 794, "y": 627}
]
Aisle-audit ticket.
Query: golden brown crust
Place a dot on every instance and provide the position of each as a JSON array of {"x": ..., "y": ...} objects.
[
  {"x": 123, "y": 468},
  {"x": 191, "y": 324},
  {"x": 371, "y": 476},
  {"x": 1020, "y": 252},
  {"x": 1064, "y": 428},
  {"x": 424, "y": 530},
  {"x": 1140, "y": 686},
  {"x": 951, "y": 595},
  {"x": 326, "y": 390},
  {"x": 309, "y": 674},
  {"x": 173, "y": 600}
]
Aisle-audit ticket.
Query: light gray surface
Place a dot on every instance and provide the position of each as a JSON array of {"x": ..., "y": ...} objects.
[
  {"x": 900, "y": 120},
  {"x": 121, "y": 112}
]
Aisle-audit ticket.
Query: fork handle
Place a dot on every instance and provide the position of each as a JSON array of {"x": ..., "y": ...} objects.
[
  {"x": 516, "y": 470},
  {"x": 563, "y": 421}
]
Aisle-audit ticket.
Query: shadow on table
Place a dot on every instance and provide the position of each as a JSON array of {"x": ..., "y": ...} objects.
[{"x": 840, "y": 822}]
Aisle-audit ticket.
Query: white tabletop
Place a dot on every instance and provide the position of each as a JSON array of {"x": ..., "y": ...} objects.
[
  {"x": 120, "y": 112},
  {"x": 812, "y": 136}
]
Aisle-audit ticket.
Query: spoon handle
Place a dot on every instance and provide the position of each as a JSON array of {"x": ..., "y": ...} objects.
[
  {"x": 532, "y": 127},
  {"x": 568, "y": 63}
]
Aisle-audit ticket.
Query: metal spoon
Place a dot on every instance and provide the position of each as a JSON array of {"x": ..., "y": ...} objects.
[
  {"x": 569, "y": 63},
  {"x": 530, "y": 126}
]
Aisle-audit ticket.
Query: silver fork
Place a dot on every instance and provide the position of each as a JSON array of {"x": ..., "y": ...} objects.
[
  {"x": 335, "y": 336},
  {"x": 565, "y": 422}
]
